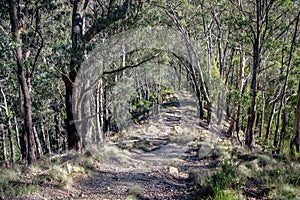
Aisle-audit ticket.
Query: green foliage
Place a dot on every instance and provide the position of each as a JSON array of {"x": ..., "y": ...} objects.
[
  {"x": 141, "y": 103},
  {"x": 23, "y": 189},
  {"x": 47, "y": 88},
  {"x": 57, "y": 174},
  {"x": 226, "y": 177},
  {"x": 167, "y": 91},
  {"x": 293, "y": 177},
  {"x": 225, "y": 194},
  {"x": 272, "y": 176}
]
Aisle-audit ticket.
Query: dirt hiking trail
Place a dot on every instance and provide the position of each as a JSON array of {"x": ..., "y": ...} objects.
[{"x": 152, "y": 161}]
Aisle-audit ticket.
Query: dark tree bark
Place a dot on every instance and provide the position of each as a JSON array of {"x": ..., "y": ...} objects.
[
  {"x": 14, "y": 20},
  {"x": 295, "y": 141},
  {"x": 79, "y": 7},
  {"x": 79, "y": 39},
  {"x": 261, "y": 12},
  {"x": 249, "y": 139},
  {"x": 258, "y": 30}
]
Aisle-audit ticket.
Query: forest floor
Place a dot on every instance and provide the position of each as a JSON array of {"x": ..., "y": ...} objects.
[{"x": 164, "y": 158}]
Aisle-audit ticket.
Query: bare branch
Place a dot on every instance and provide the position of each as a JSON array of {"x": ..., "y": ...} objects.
[{"x": 131, "y": 66}]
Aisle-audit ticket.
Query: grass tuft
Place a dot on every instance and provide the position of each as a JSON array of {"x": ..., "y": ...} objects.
[{"x": 12, "y": 184}]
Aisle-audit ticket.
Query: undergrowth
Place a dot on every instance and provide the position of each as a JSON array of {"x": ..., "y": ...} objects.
[
  {"x": 58, "y": 170},
  {"x": 12, "y": 184},
  {"x": 255, "y": 175}
]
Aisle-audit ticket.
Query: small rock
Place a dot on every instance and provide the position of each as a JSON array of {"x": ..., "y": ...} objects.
[
  {"x": 173, "y": 171},
  {"x": 81, "y": 195}
]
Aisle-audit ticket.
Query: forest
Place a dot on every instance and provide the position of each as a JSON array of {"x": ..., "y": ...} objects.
[{"x": 149, "y": 99}]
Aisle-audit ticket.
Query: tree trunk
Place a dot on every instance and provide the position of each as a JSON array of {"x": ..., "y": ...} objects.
[
  {"x": 23, "y": 135},
  {"x": 296, "y": 137},
  {"x": 283, "y": 96},
  {"x": 74, "y": 139},
  {"x": 87, "y": 124},
  {"x": 79, "y": 39},
  {"x": 58, "y": 138},
  {"x": 249, "y": 139},
  {"x": 18, "y": 136},
  {"x": 22, "y": 80},
  {"x": 239, "y": 86},
  {"x": 207, "y": 34},
  {"x": 3, "y": 141},
  {"x": 72, "y": 134},
  {"x": 38, "y": 145},
  {"x": 46, "y": 139},
  {"x": 269, "y": 126},
  {"x": 191, "y": 74},
  {"x": 275, "y": 141},
  {"x": 283, "y": 131},
  {"x": 262, "y": 122},
  {"x": 11, "y": 141},
  {"x": 9, "y": 129},
  {"x": 99, "y": 112},
  {"x": 198, "y": 92}
]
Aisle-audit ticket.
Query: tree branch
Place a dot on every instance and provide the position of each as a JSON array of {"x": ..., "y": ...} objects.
[
  {"x": 102, "y": 24},
  {"x": 131, "y": 66}
]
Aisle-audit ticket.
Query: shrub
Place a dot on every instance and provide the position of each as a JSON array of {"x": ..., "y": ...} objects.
[
  {"x": 225, "y": 194},
  {"x": 226, "y": 177}
]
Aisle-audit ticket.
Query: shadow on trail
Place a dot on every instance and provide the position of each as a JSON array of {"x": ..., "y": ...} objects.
[{"x": 143, "y": 185}]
